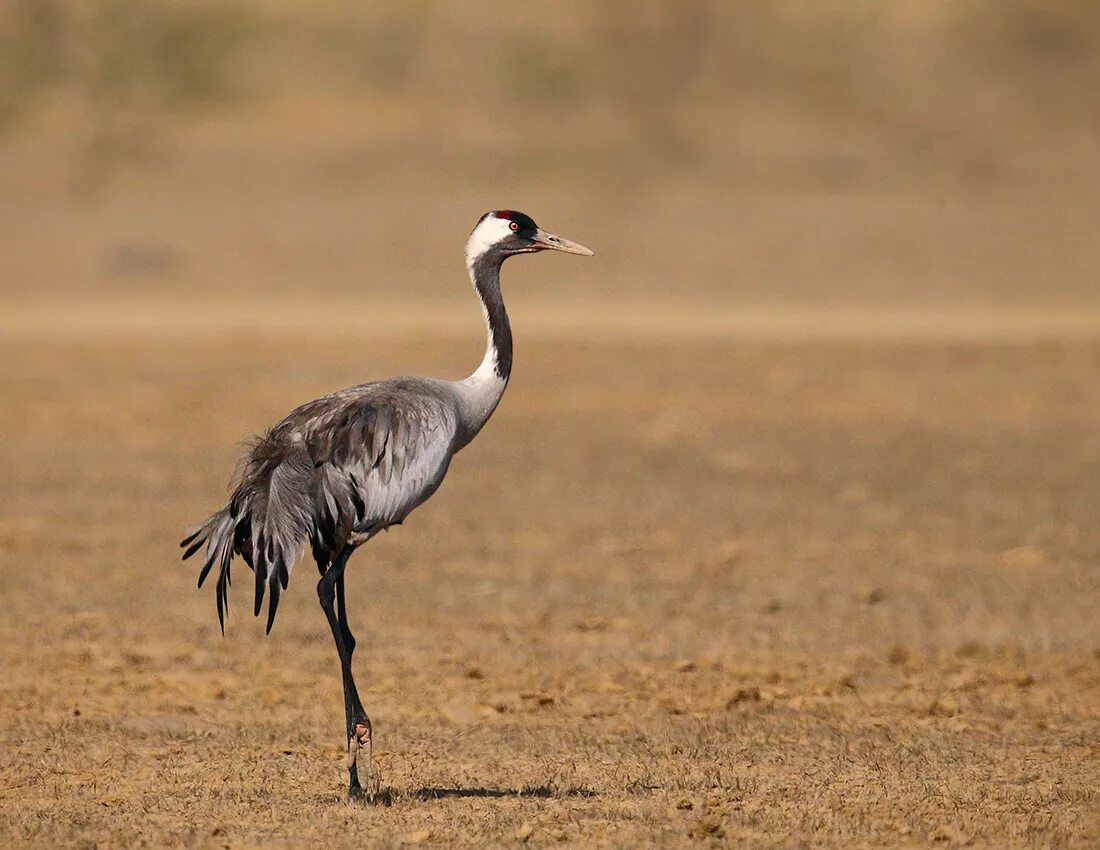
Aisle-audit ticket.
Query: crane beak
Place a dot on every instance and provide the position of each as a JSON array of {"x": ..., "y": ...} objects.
[{"x": 551, "y": 242}]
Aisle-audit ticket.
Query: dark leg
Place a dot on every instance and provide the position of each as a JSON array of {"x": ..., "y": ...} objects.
[
  {"x": 342, "y": 616},
  {"x": 330, "y": 590},
  {"x": 358, "y": 724}
]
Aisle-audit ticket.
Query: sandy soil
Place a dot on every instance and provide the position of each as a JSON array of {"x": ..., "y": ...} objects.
[
  {"x": 786, "y": 532},
  {"x": 785, "y": 594}
]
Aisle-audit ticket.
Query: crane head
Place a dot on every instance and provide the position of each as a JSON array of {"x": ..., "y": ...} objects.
[{"x": 505, "y": 233}]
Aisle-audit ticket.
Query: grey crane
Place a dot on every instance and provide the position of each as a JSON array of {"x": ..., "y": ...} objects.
[{"x": 341, "y": 468}]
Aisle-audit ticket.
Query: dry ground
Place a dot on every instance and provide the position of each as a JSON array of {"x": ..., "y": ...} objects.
[
  {"x": 786, "y": 532},
  {"x": 819, "y": 594}
]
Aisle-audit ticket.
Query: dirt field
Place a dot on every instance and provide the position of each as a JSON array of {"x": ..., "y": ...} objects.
[
  {"x": 786, "y": 532},
  {"x": 825, "y": 594}
]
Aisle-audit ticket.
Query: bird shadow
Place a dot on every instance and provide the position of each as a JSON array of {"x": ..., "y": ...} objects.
[{"x": 391, "y": 796}]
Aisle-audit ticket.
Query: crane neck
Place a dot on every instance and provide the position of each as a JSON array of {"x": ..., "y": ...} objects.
[
  {"x": 480, "y": 393},
  {"x": 485, "y": 276}
]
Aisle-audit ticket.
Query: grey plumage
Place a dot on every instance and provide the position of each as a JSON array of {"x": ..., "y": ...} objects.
[{"x": 335, "y": 471}]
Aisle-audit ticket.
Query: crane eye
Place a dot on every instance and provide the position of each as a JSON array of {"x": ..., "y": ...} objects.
[{"x": 513, "y": 225}]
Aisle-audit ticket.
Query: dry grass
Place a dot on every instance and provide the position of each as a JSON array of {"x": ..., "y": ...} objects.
[
  {"x": 827, "y": 594},
  {"x": 785, "y": 534}
]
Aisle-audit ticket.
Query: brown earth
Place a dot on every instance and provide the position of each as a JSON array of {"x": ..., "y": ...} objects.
[
  {"x": 825, "y": 593},
  {"x": 786, "y": 532}
]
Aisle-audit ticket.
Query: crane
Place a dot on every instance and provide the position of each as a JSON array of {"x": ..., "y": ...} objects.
[{"x": 340, "y": 469}]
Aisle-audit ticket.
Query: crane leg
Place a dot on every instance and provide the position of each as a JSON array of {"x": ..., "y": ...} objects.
[
  {"x": 330, "y": 592},
  {"x": 359, "y": 728}
]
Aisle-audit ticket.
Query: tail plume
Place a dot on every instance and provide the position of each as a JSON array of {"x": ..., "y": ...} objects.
[
  {"x": 217, "y": 534},
  {"x": 266, "y": 522}
]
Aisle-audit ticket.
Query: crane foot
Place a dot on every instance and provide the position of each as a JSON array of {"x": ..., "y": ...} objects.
[{"x": 361, "y": 740}]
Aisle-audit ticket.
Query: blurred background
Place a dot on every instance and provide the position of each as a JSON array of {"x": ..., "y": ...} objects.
[
  {"x": 786, "y": 530},
  {"x": 757, "y": 153}
]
